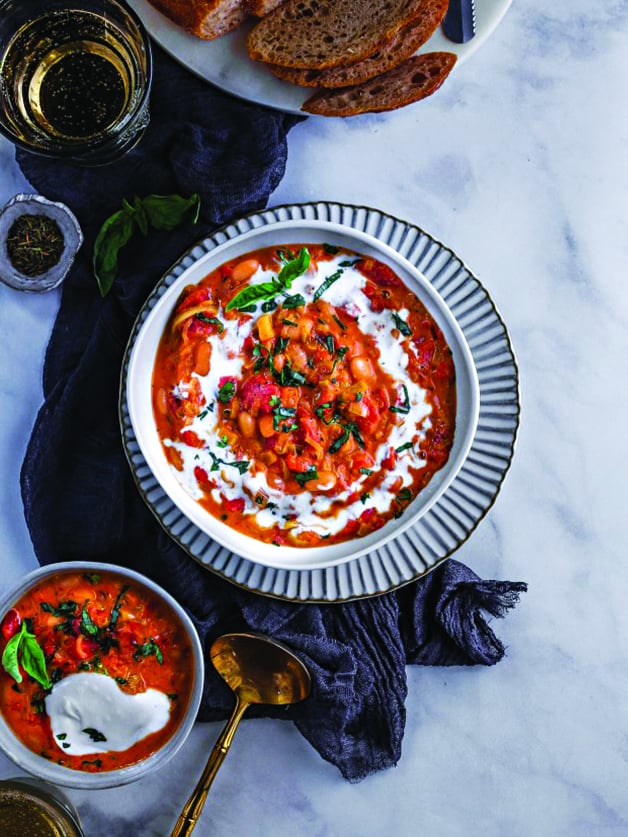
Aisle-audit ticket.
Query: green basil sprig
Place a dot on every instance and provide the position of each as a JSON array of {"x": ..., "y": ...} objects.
[
  {"x": 23, "y": 649},
  {"x": 268, "y": 290},
  {"x": 161, "y": 212}
]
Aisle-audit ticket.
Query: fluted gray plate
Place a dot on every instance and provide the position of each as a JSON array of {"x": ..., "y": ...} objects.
[{"x": 454, "y": 517}]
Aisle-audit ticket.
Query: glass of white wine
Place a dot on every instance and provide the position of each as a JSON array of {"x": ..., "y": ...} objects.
[{"x": 75, "y": 78}]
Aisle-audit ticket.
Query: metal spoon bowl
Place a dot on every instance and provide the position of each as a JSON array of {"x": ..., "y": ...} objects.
[{"x": 258, "y": 670}]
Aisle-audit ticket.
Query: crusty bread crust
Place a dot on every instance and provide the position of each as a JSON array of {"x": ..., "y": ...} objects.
[
  {"x": 317, "y": 34},
  {"x": 413, "y": 79},
  {"x": 260, "y": 8},
  {"x": 207, "y": 19},
  {"x": 401, "y": 46}
]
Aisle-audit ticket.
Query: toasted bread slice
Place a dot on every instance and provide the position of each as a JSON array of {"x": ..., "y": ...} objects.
[
  {"x": 317, "y": 34},
  {"x": 413, "y": 79},
  {"x": 261, "y": 8},
  {"x": 206, "y": 19},
  {"x": 401, "y": 46}
]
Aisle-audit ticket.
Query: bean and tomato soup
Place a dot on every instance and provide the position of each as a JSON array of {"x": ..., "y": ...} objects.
[
  {"x": 304, "y": 395},
  {"x": 113, "y": 632}
]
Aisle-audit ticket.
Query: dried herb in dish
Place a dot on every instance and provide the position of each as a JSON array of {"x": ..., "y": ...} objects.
[{"x": 34, "y": 244}]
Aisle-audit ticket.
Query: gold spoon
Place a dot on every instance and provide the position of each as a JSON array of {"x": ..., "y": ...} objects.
[{"x": 258, "y": 670}]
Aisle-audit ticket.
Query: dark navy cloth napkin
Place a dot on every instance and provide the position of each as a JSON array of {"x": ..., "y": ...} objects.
[{"x": 79, "y": 496}]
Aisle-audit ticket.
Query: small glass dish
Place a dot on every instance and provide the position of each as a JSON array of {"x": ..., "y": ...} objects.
[
  {"x": 29, "y": 806},
  {"x": 36, "y": 206}
]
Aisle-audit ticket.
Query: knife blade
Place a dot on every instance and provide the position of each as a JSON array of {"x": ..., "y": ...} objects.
[{"x": 459, "y": 22}]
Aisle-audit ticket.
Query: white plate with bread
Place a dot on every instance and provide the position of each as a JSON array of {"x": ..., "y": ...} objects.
[{"x": 225, "y": 62}]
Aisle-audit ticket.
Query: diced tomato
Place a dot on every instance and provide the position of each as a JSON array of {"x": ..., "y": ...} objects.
[
  {"x": 84, "y": 647},
  {"x": 390, "y": 460},
  {"x": 257, "y": 393},
  {"x": 190, "y": 438},
  {"x": 201, "y": 475},
  {"x": 11, "y": 623},
  {"x": 236, "y": 505},
  {"x": 298, "y": 463}
]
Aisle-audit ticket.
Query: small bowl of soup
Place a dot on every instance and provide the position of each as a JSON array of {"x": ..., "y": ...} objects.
[{"x": 101, "y": 675}]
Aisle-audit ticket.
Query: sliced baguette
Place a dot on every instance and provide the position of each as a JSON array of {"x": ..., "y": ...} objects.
[
  {"x": 317, "y": 34},
  {"x": 206, "y": 19},
  {"x": 261, "y": 8},
  {"x": 402, "y": 45},
  {"x": 413, "y": 79}
]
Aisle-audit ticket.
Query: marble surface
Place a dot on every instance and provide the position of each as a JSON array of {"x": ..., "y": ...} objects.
[{"x": 520, "y": 164}]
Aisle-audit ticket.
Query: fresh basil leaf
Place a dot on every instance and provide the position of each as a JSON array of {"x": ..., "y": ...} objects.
[
  {"x": 33, "y": 660},
  {"x": 253, "y": 293},
  {"x": 331, "y": 249},
  {"x": 165, "y": 212},
  {"x": 162, "y": 212},
  {"x": 114, "y": 234},
  {"x": 294, "y": 268},
  {"x": 10, "y": 661}
]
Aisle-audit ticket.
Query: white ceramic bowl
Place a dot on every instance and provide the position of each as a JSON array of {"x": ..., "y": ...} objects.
[
  {"x": 140, "y": 370},
  {"x": 57, "y": 774}
]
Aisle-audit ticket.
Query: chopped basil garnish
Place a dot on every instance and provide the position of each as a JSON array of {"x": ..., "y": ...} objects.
[
  {"x": 404, "y": 494},
  {"x": 306, "y": 476},
  {"x": 403, "y": 327},
  {"x": 331, "y": 249},
  {"x": 327, "y": 283},
  {"x": 94, "y": 734},
  {"x": 295, "y": 301},
  {"x": 364, "y": 497},
  {"x": 283, "y": 419},
  {"x": 147, "y": 649},
  {"x": 405, "y": 407},
  {"x": 62, "y": 609},
  {"x": 211, "y": 321},
  {"x": 115, "y": 611},
  {"x": 340, "y": 323},
  {"x": 226, "y": 392},
  {"x": 367, "y": 471},
  {"x": 407, "y": 446}
]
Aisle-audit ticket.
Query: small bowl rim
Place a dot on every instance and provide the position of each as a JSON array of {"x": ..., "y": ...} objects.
[
  {"x": 40, "y": 767},
  {"x": 252, "y": 549}
]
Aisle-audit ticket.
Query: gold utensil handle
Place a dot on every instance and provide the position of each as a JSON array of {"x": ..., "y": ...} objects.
[{"x": 193, "y": 807}]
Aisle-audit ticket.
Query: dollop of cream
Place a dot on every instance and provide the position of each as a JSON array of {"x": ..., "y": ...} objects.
[{"x": 89, "y": 713}]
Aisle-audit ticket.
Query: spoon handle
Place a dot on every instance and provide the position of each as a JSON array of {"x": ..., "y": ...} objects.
[{"x": 193, "y": 807}]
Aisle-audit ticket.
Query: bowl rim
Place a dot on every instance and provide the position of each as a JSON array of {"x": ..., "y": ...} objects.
[
  {"x": 38, "y": 766},
  {"x": 300, "y": 558}
]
